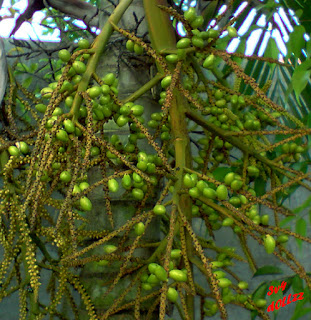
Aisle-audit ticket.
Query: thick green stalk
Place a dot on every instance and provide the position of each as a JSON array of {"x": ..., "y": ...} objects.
[
  {"x": 99, "y": 47},
  {"x": 162, "y": 38}
]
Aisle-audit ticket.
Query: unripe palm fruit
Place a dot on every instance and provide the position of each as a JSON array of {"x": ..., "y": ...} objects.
[
  {"x": 159, "y": 210},
  {"x": 85, "y": 204},
  {"x": 113, "y": 185},
  {"x": 65, "y": 176},
  {"x": 183, "y": 43},
  {"x": 13, "y": 151},
  {"x": 243, "y": 285},
  {"x": 160, "y": 273},
  {"x": 224, "y": 283},
  {"x": 229, "y": 177},
  {"x": 23, "y": 147},
  {"x": 190, "y": 14},
  {"x": 175, "y": 253},
  {"x": 130, "y": 45},
  {"x": 79, "y": 67},
  {"x": 166, "y": 81},
  {"x": 269, "y": 243},
  {"x": 232, "y": 32},
  {"x": 172, "y": 294},
  {"x": 139, "y": 228},
  {"x": 209, "y": 62},
  {"x": 222, "y": 192},
  {"x": 178, "y": 275},
  {"x": 138, "y": 49},
  {"x": 83, "y": 44},
  {"x": 64, "y": 55},
  {"x": 197, "y": 22},
  {"x": 110, "y": 248}
]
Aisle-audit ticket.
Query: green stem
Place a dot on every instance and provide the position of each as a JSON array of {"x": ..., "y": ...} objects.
[
  {"x": 166, "y": 40},
  {"x": 146, "y": 87},
  {"x": 99, "y": 47}
]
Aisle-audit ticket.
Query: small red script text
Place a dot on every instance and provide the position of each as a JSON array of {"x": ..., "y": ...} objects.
[{"x": 286, "y": 299}]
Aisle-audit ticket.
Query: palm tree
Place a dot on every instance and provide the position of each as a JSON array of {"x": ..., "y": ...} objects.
[{"x": 174, "y": 172}]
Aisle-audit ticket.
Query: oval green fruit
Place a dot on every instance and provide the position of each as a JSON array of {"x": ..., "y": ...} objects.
[
  {"x": 69, "y": 126},
  {"x": 282, "y": 238},
  {"x": 209, "y": 193},
  {"x": 76, "y": 189},
  {"x": 212, "y": 33},
  {"x": 183, "y": 43},
  {"x": 65, "y": 176},
  {"x": 159, "y": 210},
  {"x": 13, "y": 151},
  {"x": 243, "y": 285},
  {"x": 194, "y": 192},
  {"x": 79, "y": 67},
  {"x": 172, "y": 294},
  {"x": 264, "y": 219},
  {"x": 138, "y": 194},
  {"x": 178, "y": 275},
  {"x": 236, "y": 185},
  {"x": 122, "y": 120},
  {"x": 152, "y": 267},
  {"x": 224, "y": 283},
  {"x": 166, "y": 81},
  {"x": 40, "y": 107},
  {"x": 113, "y": 185},
  {"x": 83, "y": 44},
  {"x": 160, "y": 273},
  {"x": 109, "y": 248},
  {"x": 64, "y": 55},
  {"x": 139, "y": 228},
  {"x": 146, "y": 286},
  {"x": 138, "y": 49},
  {"x": 190, "y": 14},
  {"x": 175, "y": 254},
  {"x": 232, "y": 32},
  {"x": 269, "y": 243},
  {"x": 227, "y": 222},
  {"x": 209, "y": 62},
  {"x": 95, "y": 151},
  {"x": 197, "y": 22},
  {"x": 130, "y": 45},
  {"x": 126, "y": 181},
  {"x": 85, "y": 204},
  {"x": 219, "y": 274},
  {"x": 197, "y": 42},
  {"x": 23, "y": 147},
  {"x": 137, "y": 110},
  {"x": 188, "y": 181},
  {"x": 62, "y": 135},
  {"x": 83, "y": 185},
  {"x": 260, "y": 303},
  {"x": 172, "y": 58},
  {"x": 222, "y": 192},
  {"x": 94, "y": 92}
]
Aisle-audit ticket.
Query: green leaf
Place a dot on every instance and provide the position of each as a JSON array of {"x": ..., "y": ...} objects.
[
  {"x": 301, "y": 77},
  {"x": 297, "y": 284},
  {"x": 296, "y": 41},
  {"x": 261, "y": 291},
  {"x": 300, "y": 313},
  {"x": 303, "y": 206},
  {"x": 220, "y": 173},
  {"x": 27, "y": 82},
  {"x": 260, "y": 186},
  {"x": 267, "y": 270},
  {"x": 272, "y": 51},
  {"x": 301, "y": 228},
  {"x": 286, "y": 220}
]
